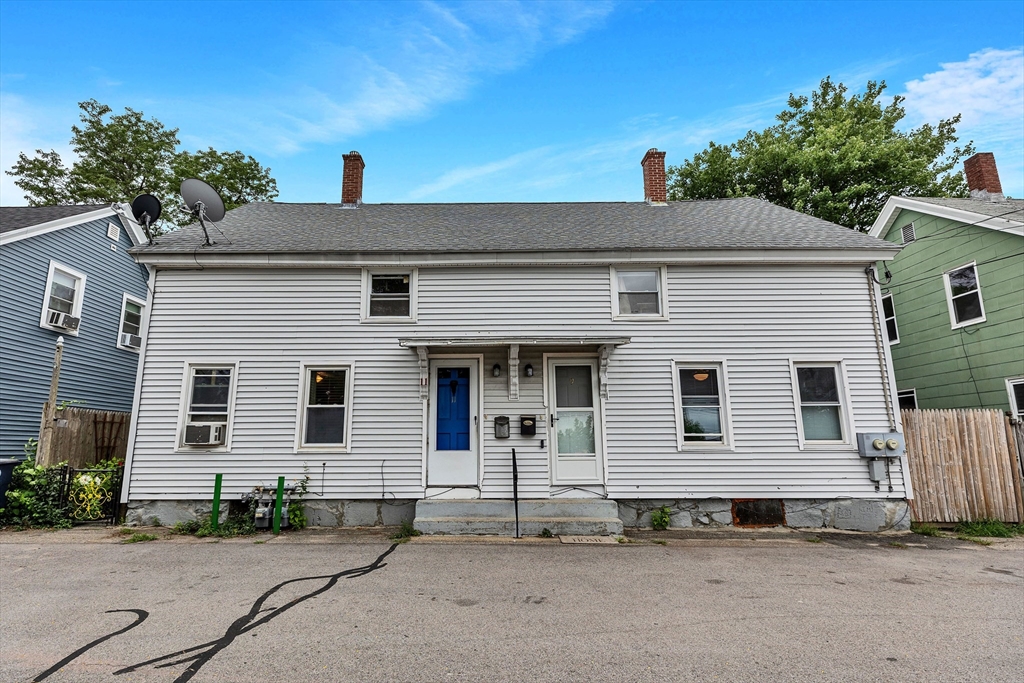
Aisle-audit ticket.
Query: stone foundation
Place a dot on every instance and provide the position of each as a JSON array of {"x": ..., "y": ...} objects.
[
  {"x": 345, "y": 513},
  {"x": 860, "y": 514}
]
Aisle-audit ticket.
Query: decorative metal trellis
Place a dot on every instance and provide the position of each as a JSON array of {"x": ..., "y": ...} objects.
[{"x": 91, "y": 495}]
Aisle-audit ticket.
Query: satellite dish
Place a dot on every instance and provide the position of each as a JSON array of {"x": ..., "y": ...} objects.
[
  {"x": 146, "y": 209},
  {"x": 203, "y": 202},
  {"x": 195, "y": 193}
]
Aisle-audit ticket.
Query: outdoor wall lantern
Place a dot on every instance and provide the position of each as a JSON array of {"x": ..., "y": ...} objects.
[
  {"x": 496, "y": 370},
  {"x": 528, "y": 369}
]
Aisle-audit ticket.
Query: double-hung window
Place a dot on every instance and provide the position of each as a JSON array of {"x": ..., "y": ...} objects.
[
  {"x": 702, "y": 404},
  {"x": 324, "y": 418},
  {"x": 639, "y": 293},
  {"x": 389, "y": 296},
  {"x": 963, "y": 294},
  {"x": 208, "y": 405},
  {"x": 907, "y": 399},
  {"x": 62, "y": 304},
  {"x": 891, "y": 331},
  {"x": 820, "y": 392},
  {"x": 1015, "y": 388},
  {"x": 129, "y": 335}
]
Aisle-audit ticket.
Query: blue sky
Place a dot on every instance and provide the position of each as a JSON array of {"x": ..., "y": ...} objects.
[{"x": 499, "y": 101}]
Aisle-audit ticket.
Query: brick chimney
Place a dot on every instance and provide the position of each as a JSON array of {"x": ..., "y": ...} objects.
[
  {"x": 655, "y": 192},
  {"x": 352, "y": 179},
  {"x": 982, "y": 176}
]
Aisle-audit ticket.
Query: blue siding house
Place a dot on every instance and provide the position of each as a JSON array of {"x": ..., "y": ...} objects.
[{"x": 65, "y": 272}]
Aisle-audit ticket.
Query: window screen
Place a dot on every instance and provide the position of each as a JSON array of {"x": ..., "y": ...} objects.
[
  {"x": 132, "y": 317},
  {"x": 819, "y": 403},
  {"x": 701, "y": 403},
  {"x": 325, "y": 407},
  {"x": 211, "y": 391},
  {"x": 62, "y": 292},
  {"x": 638, "y": 292},
  {"x": 390, "y": 296},
  {"x": 965, "y": 294}
]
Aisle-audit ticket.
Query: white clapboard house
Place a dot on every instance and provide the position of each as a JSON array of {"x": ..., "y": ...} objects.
[{"x": 718, "y": 357}]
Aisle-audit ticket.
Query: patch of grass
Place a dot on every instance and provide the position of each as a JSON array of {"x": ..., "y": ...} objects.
[
  {"x": 139, "y": 538},
  {"x": 125, "y": 531},
  {"x": 897, "y": 544},
  {"x": 258, "y": 542},
  {"x": 405, "y": 532},
  {"x": 973, "y": 539},
  {"x": 813, "y": 539},
  {"x": 546, "y": 533},
  {"x": 922, "y": 529},
  {"x": 659, "y": 541},
  {"x": 991, "y": 528},
  {"x": 239, "y": 522}
]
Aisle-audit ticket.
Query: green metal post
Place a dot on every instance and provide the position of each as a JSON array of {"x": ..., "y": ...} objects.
[
  {"x": 277, "y": 505},
  {"x": 215, "y": 516}
]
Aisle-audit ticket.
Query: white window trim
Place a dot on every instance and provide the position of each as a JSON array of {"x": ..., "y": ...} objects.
[
  {"x": 949, "y": 297},
  {"x": 186, "y": 393},
  {"x": 300, "y": 408},
  {"x": 125, "y": 298},
  {"x": 886, "y": 320},
  {"x": 728, "y": 443},
  {"x": 903, "y": 392},
  {"x": 364, "y": 309},
  {"x": 845, "y": 416},
  {"x": 76, "y": 307},
  {"x": 1010, "y": 382},
  {"x": 662, "y": 293}
]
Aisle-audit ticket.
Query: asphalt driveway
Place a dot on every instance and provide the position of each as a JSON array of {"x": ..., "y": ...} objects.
[{"x": 356, "y": 607}]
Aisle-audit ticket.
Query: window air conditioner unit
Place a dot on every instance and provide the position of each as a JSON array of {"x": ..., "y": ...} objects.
[
  {"x": 65, "y": 320},
  {"x": 131, "y": 340},
  {"x": 204, "y": 434}
]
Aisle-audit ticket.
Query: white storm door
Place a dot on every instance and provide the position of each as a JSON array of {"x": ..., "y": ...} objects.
[
  {"x": 575, "y": 430},
  {"x": 452, "y": 458}
]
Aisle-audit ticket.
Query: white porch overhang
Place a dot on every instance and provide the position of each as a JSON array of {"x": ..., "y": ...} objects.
[{"x": 422, "y": 345}]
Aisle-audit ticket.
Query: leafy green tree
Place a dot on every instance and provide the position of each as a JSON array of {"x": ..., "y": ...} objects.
[
  {"x": 120, "y": 156},
  {"x": 835, "y": 156}
]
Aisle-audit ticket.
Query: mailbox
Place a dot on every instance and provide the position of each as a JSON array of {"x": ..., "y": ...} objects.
[
  {"x": 528, "y": 425},
  {"x": 501, "y": 427}
]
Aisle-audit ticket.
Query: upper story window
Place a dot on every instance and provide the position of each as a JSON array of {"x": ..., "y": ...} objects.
[
  {"x": 907, "y": 399},
  {"x": 129, "y": 334},
  {"x": 891, "y": 331},
  {"x": 389, "y": 296},
  {"x": 822, "y": 413},
  {"x": 639, "y": 293},
  {"x": 963, "y": 294},
  {"x": 208, "y": 405},
  {"x": 62, "y": 304}
]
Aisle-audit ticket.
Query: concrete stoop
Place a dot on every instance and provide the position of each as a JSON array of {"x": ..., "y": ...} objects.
[{"x": 575, "y": 516}]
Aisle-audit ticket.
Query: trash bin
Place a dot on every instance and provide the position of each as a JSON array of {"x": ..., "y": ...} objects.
[{"x": 7, "y": 466}]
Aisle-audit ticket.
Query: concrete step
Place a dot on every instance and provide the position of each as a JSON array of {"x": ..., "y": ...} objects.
[{"x": 573, "y": 516}]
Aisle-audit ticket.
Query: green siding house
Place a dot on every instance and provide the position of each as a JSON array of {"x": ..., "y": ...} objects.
[{"x": 954, "y": 308}]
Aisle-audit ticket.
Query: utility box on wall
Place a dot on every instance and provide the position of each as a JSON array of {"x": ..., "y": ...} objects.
[{"x": 527, "y": 425}]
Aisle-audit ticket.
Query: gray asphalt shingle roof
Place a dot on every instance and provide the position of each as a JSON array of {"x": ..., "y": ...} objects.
[
  {"x": 15, "y": 217},
  {"x": 743, "y": 223},
  {"x": 1010, "y": 209}
]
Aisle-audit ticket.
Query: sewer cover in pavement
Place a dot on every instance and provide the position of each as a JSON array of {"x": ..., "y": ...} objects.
[{"x": 587, "y": 539}]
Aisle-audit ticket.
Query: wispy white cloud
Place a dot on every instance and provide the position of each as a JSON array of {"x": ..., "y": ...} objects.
[
  {"x": 398, "y": 72},
  {"x": 987, "y": 90}
]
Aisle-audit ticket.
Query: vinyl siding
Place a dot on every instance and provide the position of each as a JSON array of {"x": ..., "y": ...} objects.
[
  {"x": 964, "y": 367},
  {"x": 93, "y": 369},
  {"x": 270, "y": 320}
]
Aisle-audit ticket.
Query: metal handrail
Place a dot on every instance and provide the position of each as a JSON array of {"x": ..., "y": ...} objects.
[{"x": 515, "y": 489}]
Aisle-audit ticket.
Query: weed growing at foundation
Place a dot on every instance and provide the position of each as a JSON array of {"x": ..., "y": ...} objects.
[
  {"x": 240, "y": 522},
  {"x": 659, "y": 541},
  {"x": 33, "y": 498},
  {"x": 991, "y": 528},
  {"x": 546, "y": 533},
  {"x": 922, "y": 529},
  {"x": 973, "y": 539},
  {"x": 405, "y": 532},
  {"x": 661, "y": 518},
  {"x": 139, "y": 538}
]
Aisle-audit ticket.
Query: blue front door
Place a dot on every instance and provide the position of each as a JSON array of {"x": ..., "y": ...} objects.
[{"x": 452, "y": 409}]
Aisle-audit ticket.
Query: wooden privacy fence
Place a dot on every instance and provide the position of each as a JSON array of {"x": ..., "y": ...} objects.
[
  {"x": 83, "y": 437},
  {"x": 964, "y": 465}
]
